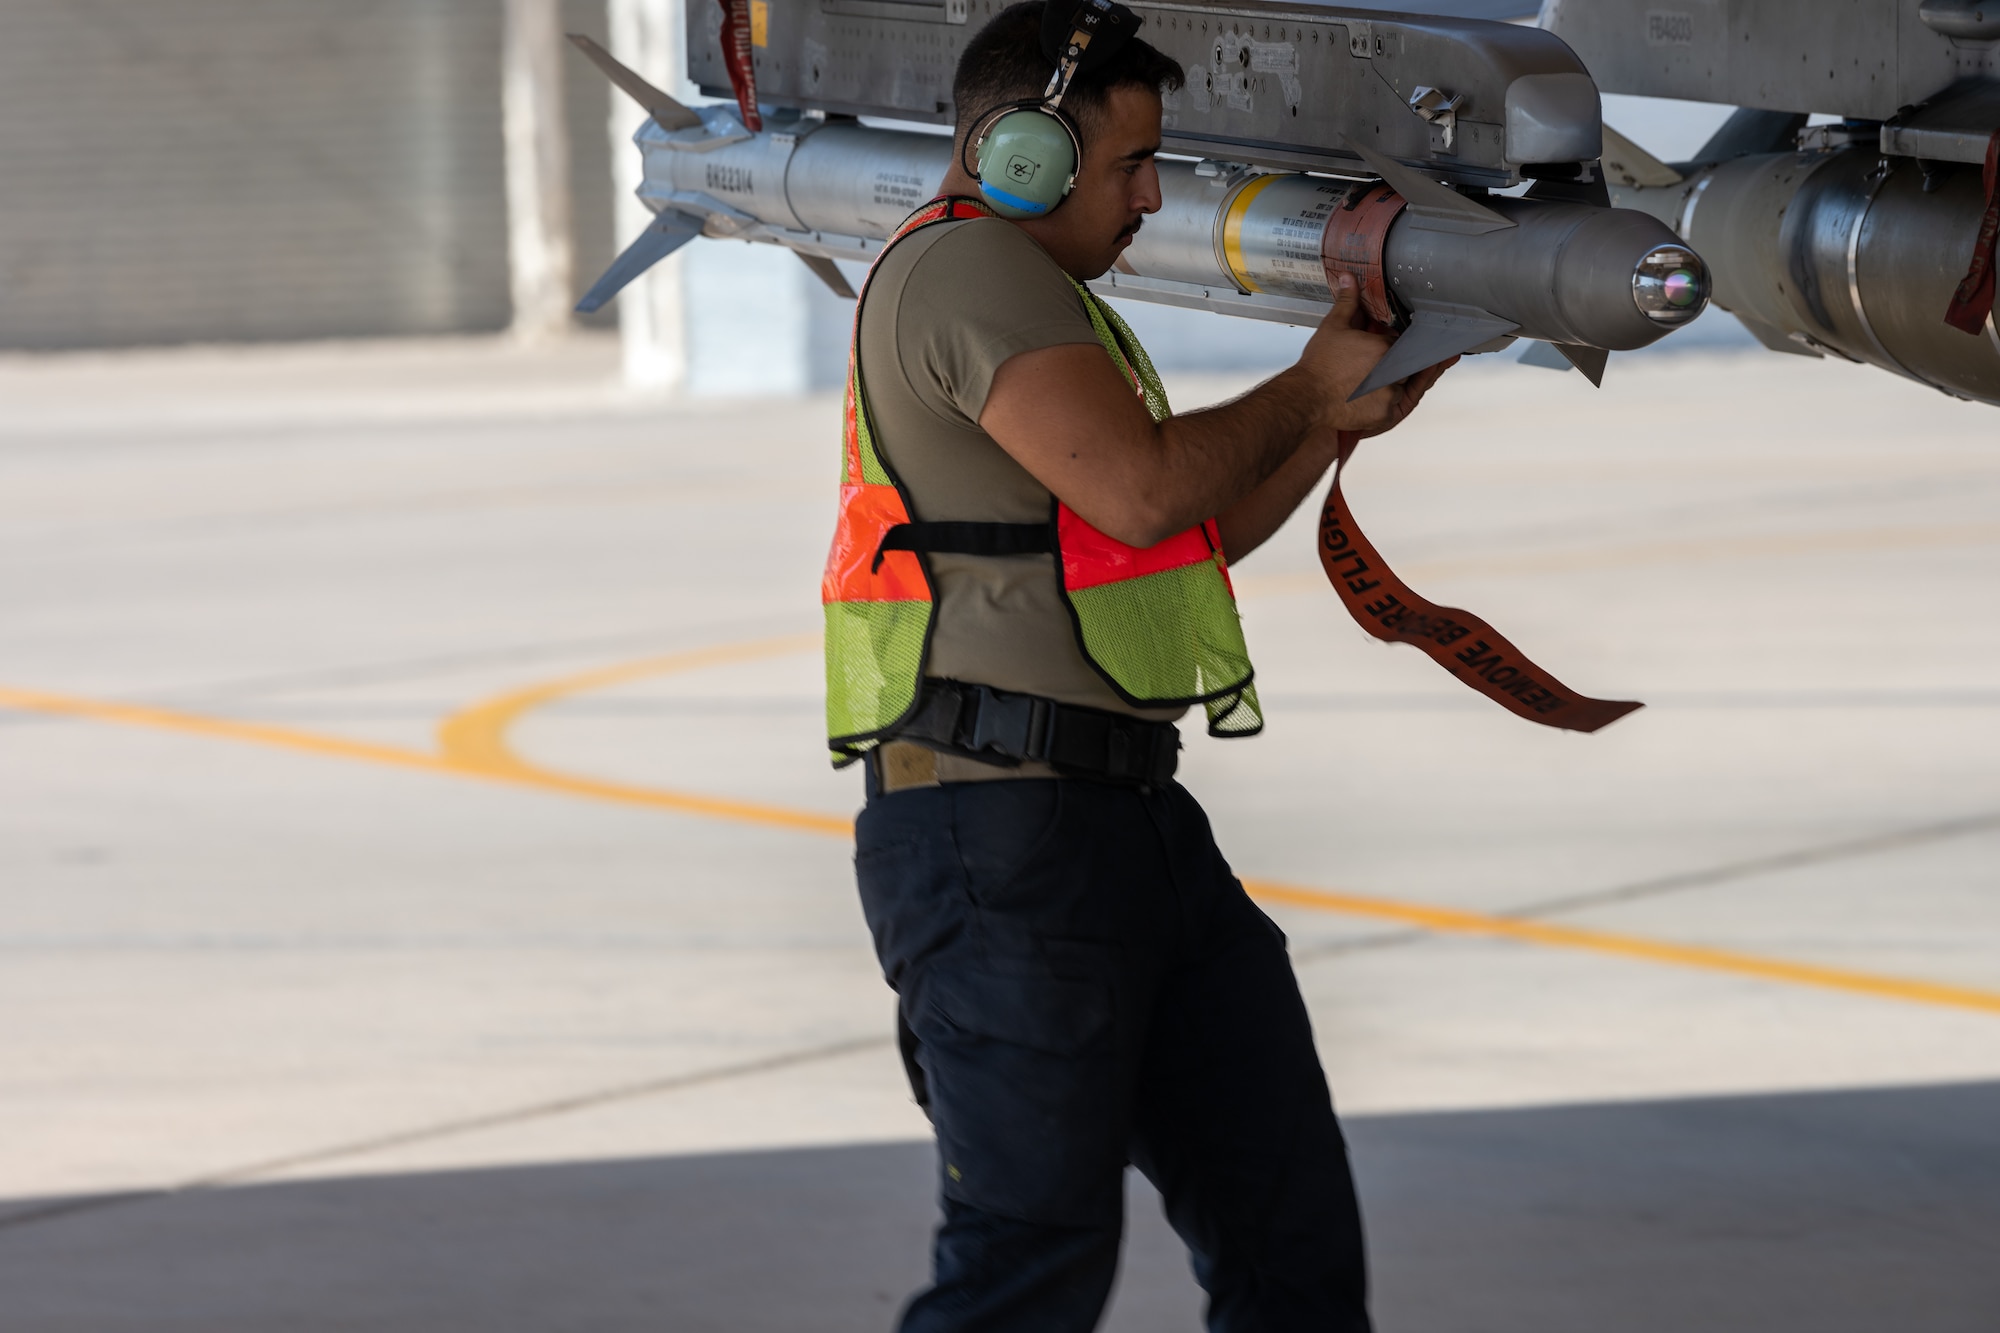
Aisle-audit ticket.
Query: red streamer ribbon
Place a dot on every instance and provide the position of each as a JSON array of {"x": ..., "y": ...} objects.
[
  {"x": 736, "y": 57},
  {"x": 1461, "y": 643},
  {"x": 1972, "y": 303}
]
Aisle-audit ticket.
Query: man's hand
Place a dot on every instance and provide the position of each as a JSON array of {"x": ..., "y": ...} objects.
[{"x": 1341, "y": 354}]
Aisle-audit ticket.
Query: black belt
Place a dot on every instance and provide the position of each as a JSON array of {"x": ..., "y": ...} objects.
[
  {"x": 996, "y": 727},
  {"x": 968, "y": 539}
]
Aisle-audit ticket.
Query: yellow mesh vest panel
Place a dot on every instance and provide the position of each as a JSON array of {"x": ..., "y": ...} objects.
[{"x": 1175, "y": 634}]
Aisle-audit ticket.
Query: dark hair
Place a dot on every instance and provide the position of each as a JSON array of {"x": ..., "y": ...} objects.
[{"x": 1004, "y": 63}]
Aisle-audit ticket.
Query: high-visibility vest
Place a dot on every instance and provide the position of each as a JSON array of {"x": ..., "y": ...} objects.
[{"x": 1158, "y": 623}]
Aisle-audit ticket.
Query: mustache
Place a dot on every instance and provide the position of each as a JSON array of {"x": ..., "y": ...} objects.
[{"x": 1133, "y": 229}]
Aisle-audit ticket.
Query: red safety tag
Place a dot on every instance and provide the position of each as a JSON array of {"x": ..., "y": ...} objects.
[
  {"x": 1462, "y": 644},
  {"x": 737, "y": 58},
  {"x": 1972, "y": 303}
]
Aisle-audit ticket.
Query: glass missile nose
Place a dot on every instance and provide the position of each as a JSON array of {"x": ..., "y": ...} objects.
[{"x": 1670, "y": 285}]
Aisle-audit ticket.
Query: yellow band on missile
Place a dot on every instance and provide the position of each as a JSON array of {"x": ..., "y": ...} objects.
[{"x": 1232, "y": 231}]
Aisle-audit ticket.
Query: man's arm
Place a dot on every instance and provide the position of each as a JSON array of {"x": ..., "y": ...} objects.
[
  {"x": 1249, "y": 523},
  {"x": 1067, "y": 416}
]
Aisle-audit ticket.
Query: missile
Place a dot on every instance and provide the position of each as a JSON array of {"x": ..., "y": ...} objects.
[
  {"x": 1849, "y": 244},
  {"x": 1453, "y": 274},
  {"x": 1243, "y": 229}
]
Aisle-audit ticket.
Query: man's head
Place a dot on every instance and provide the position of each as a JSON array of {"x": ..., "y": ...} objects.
[{"x": 1115, "y": 107}]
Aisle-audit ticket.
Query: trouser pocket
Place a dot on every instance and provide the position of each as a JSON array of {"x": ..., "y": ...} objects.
[{"x": 1021, "y": 1072}]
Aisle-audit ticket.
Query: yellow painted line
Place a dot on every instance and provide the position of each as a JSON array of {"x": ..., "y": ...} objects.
[
  {"x": 475, "y": 746},
  {"x": 680, "y": 802},
  {"x": 218, "y": 728},
  {"x": 475, "y": 740},
  {"x": 477, "y": 736},
  {"x": 473, "y": 743},
  {"x": 1446, "y": 920}
]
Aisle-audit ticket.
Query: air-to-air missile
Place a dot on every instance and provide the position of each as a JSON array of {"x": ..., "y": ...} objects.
[
  {"x": 1855, "y": 238},
  {"x": 1452, "y": 165}
]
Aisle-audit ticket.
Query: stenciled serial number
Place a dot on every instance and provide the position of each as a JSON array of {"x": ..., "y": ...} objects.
[
  {"x": 898, "y": 190},
  {"x": 735, "y": 180},
  {"x": 1669, "y": 27}
]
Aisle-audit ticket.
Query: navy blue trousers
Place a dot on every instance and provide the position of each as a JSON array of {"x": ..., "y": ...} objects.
[{"x": 1083, "y": 984}]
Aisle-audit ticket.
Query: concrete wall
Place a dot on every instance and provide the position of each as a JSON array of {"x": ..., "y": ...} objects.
[{"x": 192, "y": 170}]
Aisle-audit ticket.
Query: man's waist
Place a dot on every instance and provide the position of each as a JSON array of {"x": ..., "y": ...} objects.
[{"x": 961, "y": 724}]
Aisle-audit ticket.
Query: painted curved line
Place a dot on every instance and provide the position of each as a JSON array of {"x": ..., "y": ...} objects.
[{"x": 475, "y": 740}]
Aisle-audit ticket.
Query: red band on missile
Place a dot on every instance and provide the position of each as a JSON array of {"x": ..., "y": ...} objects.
[
  {"x": 1353, "y": 241},
  {"x": 1972, "y": 303},
  {"x": 736, "y": 57},
  {"x": 1462, "y": 644}
]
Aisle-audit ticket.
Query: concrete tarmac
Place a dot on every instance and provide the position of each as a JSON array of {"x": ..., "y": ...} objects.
[{"x": 425, "y": 903}]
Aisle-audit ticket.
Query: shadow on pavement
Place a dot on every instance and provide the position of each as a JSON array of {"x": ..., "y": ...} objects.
[{"x": 1805, "y": 1213}]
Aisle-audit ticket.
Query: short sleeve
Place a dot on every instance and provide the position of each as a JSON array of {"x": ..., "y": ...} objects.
[{"x": 984, "y": 293}]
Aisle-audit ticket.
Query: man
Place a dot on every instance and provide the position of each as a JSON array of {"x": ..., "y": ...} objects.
[{"x": 1027, "y": 587}]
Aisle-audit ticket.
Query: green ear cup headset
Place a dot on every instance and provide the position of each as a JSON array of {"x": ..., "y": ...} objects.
[
  {"x": 1026, "y": 159},
  {"x": 1026, "y": 153}
]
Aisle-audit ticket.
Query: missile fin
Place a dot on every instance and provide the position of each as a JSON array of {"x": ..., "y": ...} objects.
[
  {"x": 1440, "y": 207},
  {"x": 1749, "y": 130},
  {"x": 1590, "y": 360},
  {"x": 1562, "y": 356},
  {"x": 1433, "y": 336},
  {"x": 1593, "y": 191},
  {"x": 670, "y": 114},
  {"x": 827, "y": 272},
  {"x": 663, "y": 235},
  {"x": 1546, "y": 356},
  {"x": 1634, "y": 167}
]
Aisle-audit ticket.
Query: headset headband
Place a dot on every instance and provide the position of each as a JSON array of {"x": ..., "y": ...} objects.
[
  {"x": 1104, "y": 21},
  {"x": 1076, "y": 39}
]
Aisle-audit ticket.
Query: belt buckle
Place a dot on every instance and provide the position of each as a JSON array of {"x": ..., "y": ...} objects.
[{"x": 1002, "y": 723}]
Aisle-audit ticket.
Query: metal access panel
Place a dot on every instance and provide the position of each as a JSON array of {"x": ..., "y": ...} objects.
[
  {"x": 1280, "y": 85},
  {"x": 1859, "y": 58}
]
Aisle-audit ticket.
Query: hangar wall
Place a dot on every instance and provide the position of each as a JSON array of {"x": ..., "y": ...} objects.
[{"x": 224, "y": 170}]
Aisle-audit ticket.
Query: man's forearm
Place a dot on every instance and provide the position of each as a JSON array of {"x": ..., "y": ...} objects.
[
  {"x": 1251, "y": 521},
  {"x": 1220, "y": 458},
  {"x": 1070, "y": 418}
]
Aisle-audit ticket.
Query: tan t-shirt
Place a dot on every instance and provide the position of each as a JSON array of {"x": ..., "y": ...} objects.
[{"x": 945, "y": 308}]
